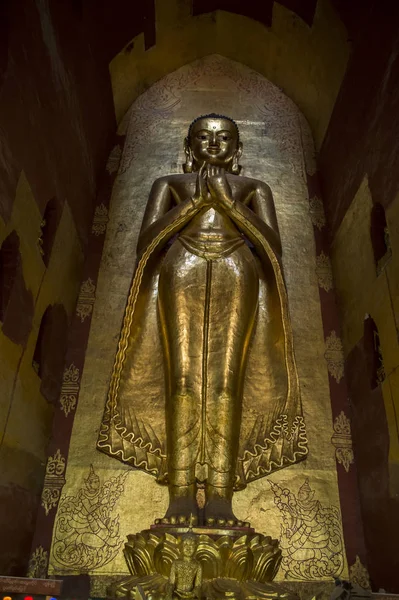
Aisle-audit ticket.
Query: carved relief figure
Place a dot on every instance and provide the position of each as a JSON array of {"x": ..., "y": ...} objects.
[
  {"x": 204, "y": 388},
  {"x": 185, "y": 577}
]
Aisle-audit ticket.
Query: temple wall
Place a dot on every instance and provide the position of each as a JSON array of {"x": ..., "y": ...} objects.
[
  {"x": 359, "y": 167},
  {"x": 25, "y": 414},
  {"x": 307, "y": 60},
  {"x": 363, "y": 291},
  {"x": 66, "y": 70},
  {"x": 277, "y": 148},
  {"x": 56, "y": 118},
  {"x": 57, "y": 126}
]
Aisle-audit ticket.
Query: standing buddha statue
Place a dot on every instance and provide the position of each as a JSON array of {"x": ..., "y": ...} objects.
[{"x": 204, "y": 390}]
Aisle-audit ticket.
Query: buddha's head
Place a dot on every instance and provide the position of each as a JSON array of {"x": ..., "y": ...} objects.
[
  {"x": 213, "y": 139},
  {"x": 189, "y": 544}
]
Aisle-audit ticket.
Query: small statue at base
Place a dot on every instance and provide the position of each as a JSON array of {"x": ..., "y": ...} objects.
[{"x": 185, "y": 578}]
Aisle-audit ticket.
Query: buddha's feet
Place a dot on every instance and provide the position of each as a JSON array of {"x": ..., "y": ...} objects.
[
  {"x": 180, "y": 520},
  {"x": 221, "y": 522},
  {"x": 219, "y": 513},
  {"x": 182, "y": 511},
  {"x": 192, "y": 521}
]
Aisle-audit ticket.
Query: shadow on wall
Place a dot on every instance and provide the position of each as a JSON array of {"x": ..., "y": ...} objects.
[
  {"x": 16, "y": 302},
  {"x": 49, "y": 354},
  {"x": 365, "y": 373}
]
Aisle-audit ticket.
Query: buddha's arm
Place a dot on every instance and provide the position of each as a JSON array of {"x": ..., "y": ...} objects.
[
  {"x": 261, "y": 215},
  {"x": 160, "y": 213},
  {"x": 198, "y": 577}
]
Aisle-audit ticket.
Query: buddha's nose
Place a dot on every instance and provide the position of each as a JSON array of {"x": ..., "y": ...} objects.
[{"x": 214, "y": 141}]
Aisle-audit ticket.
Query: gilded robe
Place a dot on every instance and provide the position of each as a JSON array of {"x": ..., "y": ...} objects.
[{"x": 272, "y": 430}]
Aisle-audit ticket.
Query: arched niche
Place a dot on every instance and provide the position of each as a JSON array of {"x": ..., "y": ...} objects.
[
  {"x": 49, "y": 354},
  {"x": 49, "y": 224},
  {"x": 372, "y": 349},
  {"x": 379, "y": 237},
  {"x": 16, "y": 301},
  {"x": 10, "y": 260},
  {"x": 307, "y": 61},
  {"x": 277, "y": 149}
]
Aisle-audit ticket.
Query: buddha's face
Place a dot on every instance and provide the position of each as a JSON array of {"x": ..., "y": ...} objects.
[
  {"x": 189, "y": 547},
  {"x": 215, "y": 141}
]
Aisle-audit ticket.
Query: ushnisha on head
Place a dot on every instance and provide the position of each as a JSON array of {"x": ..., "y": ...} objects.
[{"x": 213, "y": 139}]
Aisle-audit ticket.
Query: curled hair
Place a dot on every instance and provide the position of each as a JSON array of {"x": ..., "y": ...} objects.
[
  {"x": 189, "y": 536},
  {"x": 214, "y": 116}
]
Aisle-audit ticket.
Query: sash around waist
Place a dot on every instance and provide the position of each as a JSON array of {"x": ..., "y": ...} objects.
[{"x": 209, "y": 248}]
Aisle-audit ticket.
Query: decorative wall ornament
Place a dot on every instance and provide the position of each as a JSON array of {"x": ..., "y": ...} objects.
[
  {"x": 99, "y": 585},
  {"x": 334, "y": 356},
  {"x": 342, "y": 440},
  {"x": 86, "y": 532},
  {"x": 69, "y": 389},
  {"x": 100, "y": 220},
  {"x": 114, "y": 159},
  {"x": 359, "y": 575},
  {"x": 40, "y": 237},
  {"x": 86, "y": 299},
  {"x": 311, "y": 537},
  {"x": 324, "y": 272},
  {"x": 54, "y": 481},
  {"x": 38, "y": 563},
  {"x": 316, "y": 210}
]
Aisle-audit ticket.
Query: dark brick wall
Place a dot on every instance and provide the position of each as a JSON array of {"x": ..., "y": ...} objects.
[
  {"x": 56, "y": 106},
  {"x": 371, "y": 445},
  {"x": 18, "y": 508},
  {"x": 57, "y": 125},
  {"x": 362, "y": 135}
]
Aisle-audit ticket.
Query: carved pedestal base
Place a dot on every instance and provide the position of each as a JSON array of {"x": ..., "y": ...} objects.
[{"x": 236, "y": 563}]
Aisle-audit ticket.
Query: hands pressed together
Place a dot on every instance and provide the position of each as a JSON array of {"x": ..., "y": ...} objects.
[{"x": 212, "y": 187}]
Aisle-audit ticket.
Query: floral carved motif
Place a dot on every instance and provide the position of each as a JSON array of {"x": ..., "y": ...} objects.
[
  {"x": 86, "y": 533},
  {"x": 100, "y": 220},
  {"x": 38, "y": 563},
  {"x": 86, "y": 299},
  {"x": 114, "y": 159},
  {"x": 69, "y": 389},
  {"x": 311, "y": 536},
  {"x": 316, "y": 210},
  {"x": 324, "y": 272},
  {"x": 342, "y": 440},
  {"x": 54, "y": 481},
  {"x": 334, "y": 356},
  {"x": 358, "y": 574}
]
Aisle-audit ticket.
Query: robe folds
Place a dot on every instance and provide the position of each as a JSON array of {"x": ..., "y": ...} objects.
[{"x": 272, "y": 429}]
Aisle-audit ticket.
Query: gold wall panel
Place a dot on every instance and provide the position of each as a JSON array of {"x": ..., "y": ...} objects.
[{"x": 277, "y": 143}]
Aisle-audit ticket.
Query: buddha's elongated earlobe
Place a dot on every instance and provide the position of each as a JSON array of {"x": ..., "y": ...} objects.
[
  {"x": 235, "y": 167},
  {"x": 188, "y": 165}
]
